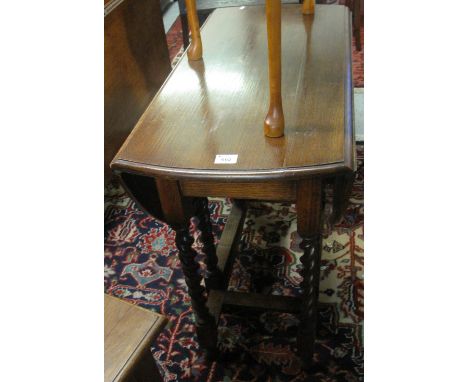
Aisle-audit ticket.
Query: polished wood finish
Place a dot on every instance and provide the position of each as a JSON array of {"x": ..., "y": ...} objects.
[
  {"x": 273, "y": 191},
  {"x": 195, "y": 50},
  {"x": 203, "y": 5},
  {"x": 128, "y": 333},
  {"x": 136, "y": 63},
  {"x": 308, "y": 7},
  {"x": 273, "y": 125},
  {"x": 212, "y": 106}
]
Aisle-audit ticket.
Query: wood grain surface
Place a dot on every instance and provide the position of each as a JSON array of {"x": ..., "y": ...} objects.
[
  {"x": 128, "y": 332},
  {"x": 274, "y": 191},
  {"x": 217, "y": 105}
]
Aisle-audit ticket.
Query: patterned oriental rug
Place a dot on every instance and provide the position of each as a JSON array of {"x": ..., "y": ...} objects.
[{"x": 142, "y": 267}]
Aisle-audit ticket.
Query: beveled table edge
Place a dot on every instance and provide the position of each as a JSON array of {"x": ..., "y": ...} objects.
[{"x": 290, "y": 173}]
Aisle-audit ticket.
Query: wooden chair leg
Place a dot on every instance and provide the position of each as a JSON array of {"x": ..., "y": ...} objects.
[
  {"x": 274, "y": 122},
  {"x": 185, "y": 30},
  {"x": 308, "y": 7},
  {"x": 195, "y": 51},
  {"x": 214, "y": 277},
  {"x": 309, "y": 206}
]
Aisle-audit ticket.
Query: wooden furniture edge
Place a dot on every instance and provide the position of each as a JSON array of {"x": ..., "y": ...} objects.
[
  {"x": 202, "y": 5},
  {"x": 289, "y": 173},
  {"x": 161, "y": 316},
  {"x": 144, "y": 344},
  {"x": 111, "y": 5},
  {"x": 157, "y": 93},
  {"x": 271, "y": 190},
  {"x": 143, "y": 347},
  {"x": 349, "y": 148},
  {"x": 348, "y": 161}
]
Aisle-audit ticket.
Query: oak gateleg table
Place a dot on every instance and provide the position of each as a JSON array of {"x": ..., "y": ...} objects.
[{"x": 203, "y": 135}]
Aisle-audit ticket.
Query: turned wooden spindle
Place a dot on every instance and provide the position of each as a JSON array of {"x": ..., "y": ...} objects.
[
  {"x": 204, "y": 322},
  {"x": 274, "y": 122},
  {"x": 214, "y": 277},
  {"x": 308, "y": 7},
  {"x": 309, "y": 226},
  {"x": 195, "y": 50}
]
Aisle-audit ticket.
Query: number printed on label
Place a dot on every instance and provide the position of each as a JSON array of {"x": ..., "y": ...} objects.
[{"x": 226, "y": 159}]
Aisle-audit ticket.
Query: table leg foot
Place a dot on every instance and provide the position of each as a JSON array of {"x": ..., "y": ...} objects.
[
  {"x": 310, "y": 289},
  {"x": 204, "y": 321}
]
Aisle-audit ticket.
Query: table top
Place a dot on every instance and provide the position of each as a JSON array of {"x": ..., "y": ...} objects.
[
  {"x": 128, "y": 332},
  {"x": 216, "y": 106},
  {"x": 212, "y": 4}
]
